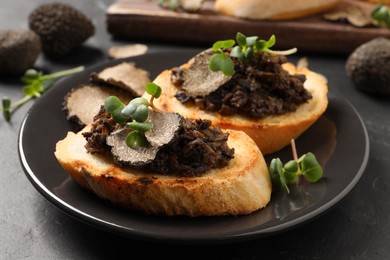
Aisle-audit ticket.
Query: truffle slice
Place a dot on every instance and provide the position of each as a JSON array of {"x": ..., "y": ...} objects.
[
  {"x": 199, "y": 80},
  {"x": 19, "y": 50},
  {"x": 128, "y": 50},
  {"x": 352, "y": 14},
  {"x": 165, "y": 128},
  {"x": 125, "y": 155},
  {"x": 82, "y": 103},
  {"x": 125, "y": 75}
]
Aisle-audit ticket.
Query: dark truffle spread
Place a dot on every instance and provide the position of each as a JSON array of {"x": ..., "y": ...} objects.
[
  {"x": 194, "y": 148},
  {"x": 257, "y": 89}
]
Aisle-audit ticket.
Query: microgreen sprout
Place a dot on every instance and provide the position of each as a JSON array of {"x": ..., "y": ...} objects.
[
  {"x": 219, "y": 61},
  {"x": 134, "y": 114},
  {"x": 306, "y": 166},
  {"x": 36, "y": 85},
  {"x": 243, "y": 48},
  {"x": 381, "y": 14}
]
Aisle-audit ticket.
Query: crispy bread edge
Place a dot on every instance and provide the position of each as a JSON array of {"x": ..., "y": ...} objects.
[{"x": 241, "y": 188}]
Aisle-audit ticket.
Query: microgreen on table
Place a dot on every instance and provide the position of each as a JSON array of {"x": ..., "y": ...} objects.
[
  {"x": 36, "y": 85},
  {"x": 243, "y": 48},
  {"x": 306, "y": 166},
  {"x": 134, "y": 114}
]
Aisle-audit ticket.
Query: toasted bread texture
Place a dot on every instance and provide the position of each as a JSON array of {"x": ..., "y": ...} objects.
[
  {"x": 273, "y": 10},
  {"x": 270, "y": 133},
  {"x": 242, "y": 187}
]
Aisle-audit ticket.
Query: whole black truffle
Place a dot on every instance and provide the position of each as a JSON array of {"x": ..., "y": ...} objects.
[
  {"x": 61, "y": 27},
  {"x": 368, "y": 66},
  {"x": 19, "y": 49}
]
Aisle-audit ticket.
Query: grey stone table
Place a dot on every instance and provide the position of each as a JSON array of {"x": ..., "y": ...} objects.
[{"x": 33, "y": 228}]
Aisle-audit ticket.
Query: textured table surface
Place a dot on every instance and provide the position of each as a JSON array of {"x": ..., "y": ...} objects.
[{"x": 32, "y": 228}]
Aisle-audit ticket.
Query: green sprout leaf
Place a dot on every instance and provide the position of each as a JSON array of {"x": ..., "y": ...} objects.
[
  {"x": 237, "y": 53},
  {"x": 155, "y": 92},
  {"x": 291, "y": 171},
  {"x": 263, "y": 45},
  {"x": 311, "y": 169},
  {"x": 114, "y": 106},
  {"x": 30, "y": 75},
  {"x": 130, "y": 109},
  {"x": 277, "y": 177},
  {"x": 271, "y": 41},
  {"x": 153, "y": 89},
  {"x": 135, "y": 138},
  {"x": 34, "y": 89},
  {"x": 249, "y": 53},
  {"x": 141, "y": 113},
  {"x": 6, "y": 102},
  {"x": 241, "y": 39},
  {"x": 244, "y": 50},
  {"x": 141, "y": 127},
  {"x": 250, "y": 41},
  {"x": 219, "y": 45},
  {"x": 221, "y": 62}
]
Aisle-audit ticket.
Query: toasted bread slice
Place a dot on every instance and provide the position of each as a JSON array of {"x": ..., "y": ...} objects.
[
  {"x": 270, "y": 133},
  {"x": 273, "y": 10},
  {"x": 240, "y": 188}
]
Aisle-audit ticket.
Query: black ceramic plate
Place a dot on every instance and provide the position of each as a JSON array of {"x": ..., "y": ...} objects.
[{"x": 340, "y": 131}]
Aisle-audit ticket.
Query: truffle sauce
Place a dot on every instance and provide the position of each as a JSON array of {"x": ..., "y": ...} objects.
[
  {"x": 196, "y": 148},
  {"x": 257, "y": 89}
]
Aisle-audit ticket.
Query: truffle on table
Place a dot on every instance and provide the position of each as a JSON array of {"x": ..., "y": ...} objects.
[
  {"x": 19, "y": 49},
  {"x": 61, "y": 27},
  {"x": 368, "y": 66}
]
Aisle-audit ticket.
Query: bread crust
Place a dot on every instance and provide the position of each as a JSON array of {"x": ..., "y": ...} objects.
[
  {"x": 271, "y": 133},
  {"x": 242, "y": 187},
  {"x": 273, "y": 10}
]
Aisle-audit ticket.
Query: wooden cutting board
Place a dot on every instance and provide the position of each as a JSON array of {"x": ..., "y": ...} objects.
[{"x": 145, "y": 20}]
